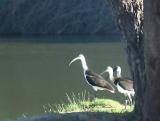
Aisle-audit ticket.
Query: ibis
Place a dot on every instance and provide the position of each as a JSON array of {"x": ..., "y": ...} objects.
[
  {"x": 96, "y": 81},
  {"x": 124, "y": 85}
]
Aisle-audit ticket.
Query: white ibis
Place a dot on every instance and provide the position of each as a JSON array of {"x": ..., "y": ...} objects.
[
  {"x": 124, "y": 85},
  {"x": 96, "y": 81}
]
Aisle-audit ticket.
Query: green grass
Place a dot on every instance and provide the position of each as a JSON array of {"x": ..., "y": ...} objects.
[{"x": 84, "y": 103}]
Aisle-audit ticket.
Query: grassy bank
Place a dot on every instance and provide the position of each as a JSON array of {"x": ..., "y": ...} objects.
[
  {"x": 82, "y": 107},
  {"x": 84, "y": 103}
]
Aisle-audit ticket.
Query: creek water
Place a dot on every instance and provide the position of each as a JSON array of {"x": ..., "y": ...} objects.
[{"x": 34, "y": 73}]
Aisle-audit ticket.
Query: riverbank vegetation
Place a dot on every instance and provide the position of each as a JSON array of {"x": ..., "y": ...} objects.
[
  {"x": 83, "y": 102},
  {"x": 84, "y": 105}
]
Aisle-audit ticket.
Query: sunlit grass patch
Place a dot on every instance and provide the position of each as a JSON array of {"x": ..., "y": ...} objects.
[
  {"x": 82, "y": 102},
  {"x": 109, "y": 105}
]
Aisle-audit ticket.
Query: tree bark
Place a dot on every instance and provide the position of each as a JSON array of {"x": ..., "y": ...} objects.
[
  {"x": 129, "y": 18},
  {"x": 151, "y": 108}
]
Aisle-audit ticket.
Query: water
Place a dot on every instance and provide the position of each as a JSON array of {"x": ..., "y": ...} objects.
[{"x": 34, "y": 74}]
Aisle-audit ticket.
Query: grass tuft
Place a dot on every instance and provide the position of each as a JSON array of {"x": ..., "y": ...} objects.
[{"x": 82, "y": 102}]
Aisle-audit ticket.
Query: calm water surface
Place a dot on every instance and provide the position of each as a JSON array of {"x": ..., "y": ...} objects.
[{"x": 35, "y": 74}]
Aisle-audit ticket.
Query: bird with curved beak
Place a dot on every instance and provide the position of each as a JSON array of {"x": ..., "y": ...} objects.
[
  {"x": 109, "y": 70},
  {"x": 96, "y": 81},
  {"x": 124, "y": 85}
]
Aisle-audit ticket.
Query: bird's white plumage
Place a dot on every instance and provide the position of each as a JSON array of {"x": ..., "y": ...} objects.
[
  {"x": 94, "y": 80},
  {"x": 117, "y": 74},
  {"x": 83, "y": 61},
  {"x": 126, "y": 92}
]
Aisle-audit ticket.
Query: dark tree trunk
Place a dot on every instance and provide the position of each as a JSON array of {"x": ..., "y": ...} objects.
[
  {"x": 129, "y": 18},
  {"x": 141, "y": 54},
  {"x": 152, "y": 60}
]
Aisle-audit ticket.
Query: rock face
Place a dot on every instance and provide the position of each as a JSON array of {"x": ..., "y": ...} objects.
[{"x": 49, "y": 17}]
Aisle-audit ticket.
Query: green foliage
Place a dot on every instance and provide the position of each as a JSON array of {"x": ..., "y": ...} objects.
[{"x": 84, "y": 103}]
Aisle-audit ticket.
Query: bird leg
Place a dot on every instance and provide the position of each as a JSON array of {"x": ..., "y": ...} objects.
[
  {"x": 95, "y": 92},
  {"x": 129, "y": 99},
  {"x": 133, "y": 100},
  {"x": 95, "y": 95},
  {"x": 126, "y": 101}
]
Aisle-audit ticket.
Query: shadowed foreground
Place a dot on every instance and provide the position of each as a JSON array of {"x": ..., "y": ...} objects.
[
  {"x": 78, "y": 116},
  {"x": 81, "y": 108}
]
